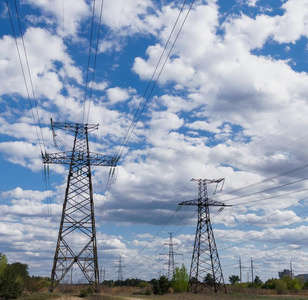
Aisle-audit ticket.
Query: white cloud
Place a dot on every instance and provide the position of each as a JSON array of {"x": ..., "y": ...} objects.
[
  {"x": 117, "y": 94},
  {"x": 19, "y": 193},
  {"x": 69, "y": 14},
  {"x": 43, "y": 50}
]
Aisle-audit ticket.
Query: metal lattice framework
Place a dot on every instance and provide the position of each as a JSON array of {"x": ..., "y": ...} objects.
[
  {"x": 171, "y": 254},
  {"x": 120, "y": 269},
  {"x": 205, "y": 270},
  {"x": 76, "y": 242}
]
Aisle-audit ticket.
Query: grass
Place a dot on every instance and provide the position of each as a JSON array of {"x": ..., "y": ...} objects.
[
  {"x": 181, "y": 296},
  {"x": 122, "y": 293},
  {"x": 41, "y": 296}
]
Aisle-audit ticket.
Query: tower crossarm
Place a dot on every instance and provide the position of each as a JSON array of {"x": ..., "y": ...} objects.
[
  {"x": 72, "y": 126},
  {"x": 197, "y": 202},
  {"x": 93, "y": 159}
]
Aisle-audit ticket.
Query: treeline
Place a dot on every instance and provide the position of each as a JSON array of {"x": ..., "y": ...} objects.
[
  {"x": 136, "y": 282},
  {"x": 159, "y": 286},
  {"x": 280, "y": 285},
  {"x": 14, "y": 279}
]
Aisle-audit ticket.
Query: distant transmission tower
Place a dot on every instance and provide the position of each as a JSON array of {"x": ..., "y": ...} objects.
[
  {"x": 77, "y": 235},
  {"x": 171, "y": 253},
  {"x": 205, "y": 270},
  {"x": 120, "y": 269}
]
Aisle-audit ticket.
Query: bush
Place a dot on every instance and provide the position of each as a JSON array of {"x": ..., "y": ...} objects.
[
  {"x": 293, "y": 284},
  {"x": 35, "y": 284},
  {"x": 280, "y": 287},
  {"x": 85, "y": 293}
]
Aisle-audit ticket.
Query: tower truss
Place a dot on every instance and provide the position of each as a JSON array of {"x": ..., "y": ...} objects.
[
  {"x": 205, "y": 270},
  {"x": 171, "y": 254},
  {"x": 120, "y": 269},
  {"x": 76, "y": 242}
]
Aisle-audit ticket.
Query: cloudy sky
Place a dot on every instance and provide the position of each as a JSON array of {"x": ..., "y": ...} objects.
[{"x": 204, "y": 89}]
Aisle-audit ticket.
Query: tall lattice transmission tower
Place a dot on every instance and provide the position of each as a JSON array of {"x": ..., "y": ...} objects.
[
  {"x": 205, "y": 270},
  {"x": 120, "y": 269},
  {"x": 171, "y": 254},
  {"x": 76, "y": 242}
]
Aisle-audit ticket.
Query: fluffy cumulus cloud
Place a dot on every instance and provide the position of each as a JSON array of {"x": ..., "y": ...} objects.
[
  {"x": 68, "y": 15},
  {"x": 230, "y": 101},
  {"x": 117, "y": 95}
]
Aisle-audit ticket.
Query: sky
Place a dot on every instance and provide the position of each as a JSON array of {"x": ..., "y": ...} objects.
[{"x": 212, "y": 89}]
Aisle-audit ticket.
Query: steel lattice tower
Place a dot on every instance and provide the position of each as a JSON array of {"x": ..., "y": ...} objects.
[
  {"x": 120, "y": 269},
  {"x": 205, "y": 270},
  {"x": 77, "y": 221},
  {"x": 171, "y": 253}
]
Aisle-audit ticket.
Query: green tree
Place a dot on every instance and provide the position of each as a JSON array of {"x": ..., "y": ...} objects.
[
  {"x": 269, "y": 284},
  {"x": 292, "y": 284},
  {"x": 11, "y": 285},
  {"x": 276, "y": 284},
  {"x": 180, "y": 279},
  {"x": 160, "y": 286},
  {"x": 234, "y": 279},
  {"x": 3, "y": 263},
  {"x": 156, "y": 287},
  {"x": 280, "y": 286},
  {"x": 209, "y": 279},
  {"x": 257, "y": 281},
  {"x": 164, "y": 284},
  {"x": 12, "y": 280}
]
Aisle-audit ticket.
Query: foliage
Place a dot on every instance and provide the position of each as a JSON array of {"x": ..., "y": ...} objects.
[
  {"x": 258, "y": 281},
  {"x": 161, "y": 285},
  {"x": 11, "y": 284},
  {"x": 3, "y": 263},
  {"x": 234, "y": 279},
  {"x": 280, "y": 286},
  {"x": 284, "y": 284},
  {"x": 109, "y": 283},
  {"x": 36, "y": 283},
  {"x": 12, "y": 278},
  {"x": 156, "y": 288},
  {"x": 180, "y": 279},
  {"x": 86, "y": 292},
  {"x": 209, "y": 279},
  {"x": 293, "y": 284},
  {"x": 128, "y": 282}
]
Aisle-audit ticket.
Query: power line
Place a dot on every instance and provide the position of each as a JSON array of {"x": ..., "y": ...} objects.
[
  {"x": 145, "y": 97},
  {"x": 37, "y": 124},
  {"x": 116, "y": 38},
  {"x": 95, "y": 58},
  {"x": 88, "y": 66},
  {"x": 275, "y": 254},
  {"x": 267, "y": 190},
  {"x": 272, "y": 197},
  {"x": 266, "y": 179},
  {"x": 256, "y": 222},
  {"x": 150, "y": 256},
  {"x": 266, "y": 233}
]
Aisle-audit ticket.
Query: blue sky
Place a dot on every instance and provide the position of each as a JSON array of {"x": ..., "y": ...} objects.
[{"x": 231, "y": 102}]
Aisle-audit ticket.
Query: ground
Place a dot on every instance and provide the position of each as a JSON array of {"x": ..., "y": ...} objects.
[{"x": 130, "y": 293}]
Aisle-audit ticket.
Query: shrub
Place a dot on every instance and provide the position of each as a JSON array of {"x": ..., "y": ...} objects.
[
  {"x": 85, "y": 293},
  {"x": 280, "y": 286}
]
